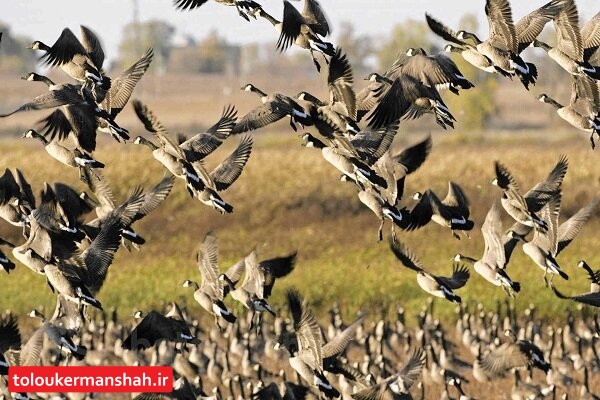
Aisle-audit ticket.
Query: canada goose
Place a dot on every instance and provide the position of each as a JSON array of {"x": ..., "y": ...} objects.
[
  {"x": 512, "y": 201},
  {"x": 305, "y": 30},
  {"x": 594, "y": 276},
  {"x": 60, "y": 336},
  {"x": 438, "y": 286},
  {"x": 350, "y": 166},
  {"x": 305, "y": 345},
  {"x": 74, "y": 157},
  {"x": 223, "y": 176},
  {"x": 543, "y": 248},
  {"x": 16, "y": 199},
  {"x": 335, "y": 119},
  {"x": 210, "y": 294},
  {"x": 535, "y": 198},
  {"x": 17, "y": 352},
  {"x": 244, "y": 7},
  {"x": 513, "y": 354},
  {"x": 438, "y": 71},
  {"x": 80, "y": 59},
  {"x": 251, "y": 291},
  {"x": 573, "y": 117},
  {"x": 406, "y": 97},
  {"x": 502, "y": 46},
  {"x": 155, "y": 327},
  {"x": 105, "y": 205},
  {"x": 492, "y": 264},
  {"x": 167, "y": 152},
  {"x": 274, "y": 107},
  {"x": 591, "y": 298},
  {"x": 568, "y": 52},
  {"x": 467, "y": 50},
  {"x": 398, "y": 384},
  {"x": 452, "y": 212}
]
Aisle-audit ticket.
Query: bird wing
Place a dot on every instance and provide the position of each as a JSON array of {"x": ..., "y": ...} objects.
[
  {"x": 405, "y": 256},
  {"x": 497, "y": 362},
  {"x": 568, "y": 35},
  {"x": 10, "y": 337},
  {"x": 548, "y": 240},
  {"x": 202, "y": 144},
  {"x": 188, "y": 4},
  {"x": 591, "y": 298},
  {"x": 290, "y": 26},
  {"x": 502, "y": 28},
  {"x": 122, "y": 86},
  {"x": 208, "y": 264},
  {"x": 491, "y": 230},
  {"x": 443, "y": 31},
  {"x": 152, "y": 124},
  {"x": 308, "y": 332},
  {"x": 92, "y": 46},
  {"x": 590, "y": 35},
  {"x": 412, "y": 370},
  {"x": 231, "y": 168},
  {"x": 538, "y": 195},
  {"x": 260, "y": 116},
  {"x": 459, "y": 278},
  {"x": 315, "y": 17},
  {"x": 371, "y": 144},
  {"x": 274, "y": 268},
  {"x": 456, "y": 199},
  {"x": 340, "y": 81},
  {"x": 571, "y": 227},
  {"x": 254, "y": 279},
  {"x": 155, "y": 196},
  {"x": 63, "y": 50},
  {"x": 337, "y": 345},
  {"x": 529, "y": 27}
]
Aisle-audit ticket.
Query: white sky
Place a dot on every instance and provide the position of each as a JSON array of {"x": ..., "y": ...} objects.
[{"x": 44, "y": 19}]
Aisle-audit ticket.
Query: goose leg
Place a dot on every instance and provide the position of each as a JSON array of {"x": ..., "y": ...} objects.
[
  {"x": 380, "y": 231},
  {"x": 312, "y": 54},
  {"x": 592, "y": 140}
]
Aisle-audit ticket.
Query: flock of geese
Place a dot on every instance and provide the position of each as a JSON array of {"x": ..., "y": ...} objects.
[{"x": 242, "y": 357}]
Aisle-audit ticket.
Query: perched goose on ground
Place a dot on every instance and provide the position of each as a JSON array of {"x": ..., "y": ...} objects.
[
  {"x": 398, "y": 385},
  {"x": 568, "y": 52},
  {"x": 244, "y": 7},
  {"x": 438, "y": 286},
  {"x": 512, "y": 201},
  {"x": 305, "y": 345},
  {"x": 80, "y": 59},
  {"x": 452, "y": 212},
  {"x": 210, "y": 294},
  {"x": 492, "y": 264},
  {"x": 305, "y": 30},
  {"x": 155, "y": 327},
  {"x": 274, "y": 107}
]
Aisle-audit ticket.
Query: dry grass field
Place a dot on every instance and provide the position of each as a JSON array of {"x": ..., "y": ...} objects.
[{"x": 289, "y": 199}]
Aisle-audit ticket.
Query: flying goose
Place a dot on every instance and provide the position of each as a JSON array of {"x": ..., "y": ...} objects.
[
  {"x": 502, "y": 46},
  {"x": 353, "y": 168},
  {"x": 396, "y": 386},
  {"x": 569, "y": 50},
  {"x": 244, "y": 7},
  {"x": 492, "y": 264},
  {"x": 167, "y": 152},
  {"x": 452, "y": 212},
  {"x": 155, "y": 327},
  {"x": 305, "y": 345},
  {"x": 438, "y": 71},
  {"x": 587, "y": 122},
  {"x": 438, "y": 286},
  {"x": 406, "y": 97},
  {"x": 104, "y": 205},
  {"x": 274, "y": 107},
  {"x": 512, "y": 201},
  {"x": 210, "y": 293},
  {"x": 545, "y": 246},
  {"x": 338, "y": 115},
  {"x": 60, "y": 336},
  {"x": 80, "y": 59},
  {"x": 71, "y": 157},
  {"x": 306, "y": 29},
  {"x": 536, "y": 198},
  {"x": 513, "y": 354}
]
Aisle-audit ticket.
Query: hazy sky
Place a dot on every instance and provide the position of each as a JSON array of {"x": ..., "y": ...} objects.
[{"x": 44, "y": 19}]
